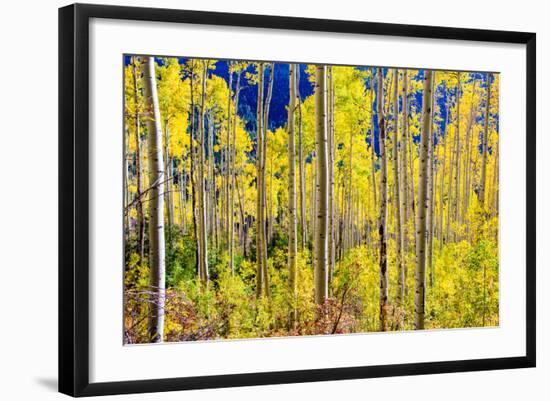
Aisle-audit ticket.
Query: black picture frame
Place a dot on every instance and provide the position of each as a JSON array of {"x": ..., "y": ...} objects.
[{"x": 74, "y": 198}]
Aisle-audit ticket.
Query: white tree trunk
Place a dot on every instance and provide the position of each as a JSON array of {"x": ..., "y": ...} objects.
[
  {"x": 331, "y": 203},
  {"x": 420, "y": 272},
  {"x": 445, "y": 162},
  {"x": 265, "y": 275},
  {"x": 372, "y": 147},
  {"x": 468, "y": 156},
  {"x": 292, "y": 221},
  {"x": 168, "y": 179},
  {"x": 303, "y": 217},
  {"x": 429, "y": 217},
  {"x": 203, "y": 243},
  {"x": 227, "y": 186},
  {"x": 485, "y": 144},
  {"x": 139, "y": 167},
  {"x": 404, "y": 179},
  {"x": 321, "y": 226},
  {"x": 397, "y": 192},
  {"x": 260, "y": 226},
  {"x": 156, "y": 204},
  {"x": 382, "y": 219},
  {"x": 458, "y": 154},
  {"x": 233, "y": 180}
]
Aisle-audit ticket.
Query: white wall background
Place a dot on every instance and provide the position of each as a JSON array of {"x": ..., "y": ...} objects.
[{"x": 28, "y": 200}]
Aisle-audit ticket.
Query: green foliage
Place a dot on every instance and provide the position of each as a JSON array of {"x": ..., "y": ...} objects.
[
  {"x": 465, "y": 293},
  {"x": 180, "y": 257}
]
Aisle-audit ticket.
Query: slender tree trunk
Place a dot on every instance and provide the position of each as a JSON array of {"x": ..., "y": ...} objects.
[
  {"x": 265, "y": 275},
  {"x": 303, "y": 216},
  {"x": 352, "y": 219},
  {"x": 436, "y": 160},
  {"x": 458, "y": 144},
  {"x": 126, "y": 183},
  {"x": 215, "y": 212},
  {"x": 411, "y": 186},
  {"x": 444, "y": 161},
  {"x": 211, "y": 186},
  {"x": 313, "y": 199},
  {"x": 349, "y": 218},
  {"x": 243, "y": 227},
  {"x": 412, "y": 192},
  {"x": 430, "y": 189},
  {"x": 372, "y": 145},
  {"x": 229, "y": 173},
  {"x": 183, "y": 191},
  {"x": 382, "y": 220},
  {"x": 269, "y": 204},
  {"x": 331, "y": 247},
  {"x": 339, "y": 199},
  {"x": 321, "y": 227},
  {"x": 404, "y": 179},
  {"x": 140, "y": 214},
  {"x": 468, "y": 155},
  {"x": 396, "y": 192},
  {"x": 168, "y": 181},
  {"x": 233, "y": 180},
  {"x": 260, "y": 226},
  {"x": 485, "y": 143},
  {"x": 451, "y": 159},
  {"x": 156, "y": 204},
  {"x": 203, "y": 243},
  {"x": 420, "y": 272},
  {"x": 292, "y": 232},
  {"x": 227, "y": 186},
  {"x": 193, "y": 172},
  {"x": 495, "y": 190}
]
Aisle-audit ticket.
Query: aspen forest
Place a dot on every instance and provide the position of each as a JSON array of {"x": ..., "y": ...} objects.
[{"x": 266, "y": 199}]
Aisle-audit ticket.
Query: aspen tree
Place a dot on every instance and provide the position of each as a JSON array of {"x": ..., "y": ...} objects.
[
  {"x": 233, "y": 179},
  {"x": 372, "y": 143},
  {"x": 303, "y": 217},
  {"x": 260, "y": 225},
  {"x": 404, "y": 177},
  {"x": 321, "y": 226},
  {"x": 430, "y": 211},
  {"x": 396, "y": 191},
  {"x": 169, "y": 205},
  {"x": 444, "y": 161},
  {"x": 382, "y": 219},
  {"x": 485, "y": 143},
  {"x": 126, "y": 182},
  {"x": 468, "y": 156},
  {"x": 227, "y": 160},
  {"x": 140, "y": 213},
  {"x": 495, "y": 189},
  {"x": 451, "y": 159},
  {"x": 193, "y": 163},
  {"x": 313, "y": 197},
  {"x": 267, "y": 103},
  {"x": 156, "y": 204},
  {"x": 349, "y": 218},
  {"x": 457, "y": 155},
  {"x": 411, "y": 185},
  {"x": 210, "y": 184},
  {"x": 202, "y": 223},
  {"x": 183, "y": 195},
  {"x": 292, "y": 232},
  {"x": 331, "y": 248},
  {"x": 420, "y": 271}
]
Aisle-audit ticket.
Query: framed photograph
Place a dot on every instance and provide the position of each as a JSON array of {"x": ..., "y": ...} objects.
[{"x": 250, "y": 199}]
